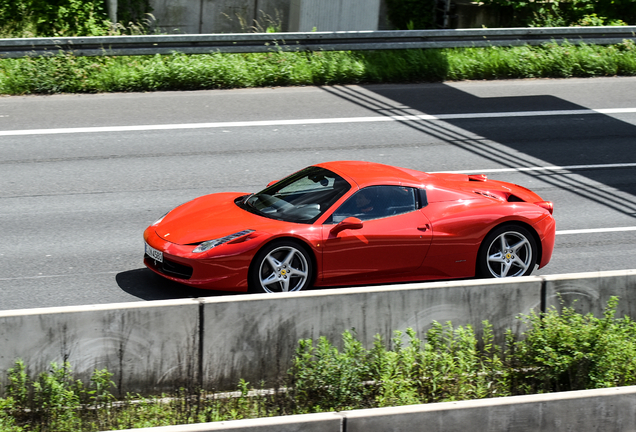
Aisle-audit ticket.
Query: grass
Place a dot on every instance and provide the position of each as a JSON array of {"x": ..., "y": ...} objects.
[{"x": 65, "y": 73}]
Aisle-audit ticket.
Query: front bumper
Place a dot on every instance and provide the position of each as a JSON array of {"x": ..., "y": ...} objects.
[{"x": 226, "y": 269}]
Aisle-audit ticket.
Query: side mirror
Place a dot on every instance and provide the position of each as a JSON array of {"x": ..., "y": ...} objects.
[
  {"x": 271, "y": 183},
  {"x": 352, "y": 223}
]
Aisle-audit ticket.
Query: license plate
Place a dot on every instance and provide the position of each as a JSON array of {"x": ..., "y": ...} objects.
[{"x": 154, "y": 253}]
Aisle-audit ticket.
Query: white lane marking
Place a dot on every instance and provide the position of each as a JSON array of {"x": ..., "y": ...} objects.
[
  {"x": 596, "y": 230},
  {"x": 313, "y": 121},
  {"x": 541, "y": 168},
  {"x": 58, "y": 276}
]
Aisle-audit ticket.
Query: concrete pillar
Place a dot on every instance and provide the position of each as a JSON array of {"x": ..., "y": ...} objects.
[
  {"x": 112, "y": 10},
  {"x": 334, "y": 15}
]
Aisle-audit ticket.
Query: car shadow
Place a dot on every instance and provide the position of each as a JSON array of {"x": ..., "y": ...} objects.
[{"x": 146, "y": 285}]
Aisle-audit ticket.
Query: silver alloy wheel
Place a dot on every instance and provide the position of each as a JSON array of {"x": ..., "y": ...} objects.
[
  {"x": 509, "y": 255},
  {"x": 283, "y": 269}
]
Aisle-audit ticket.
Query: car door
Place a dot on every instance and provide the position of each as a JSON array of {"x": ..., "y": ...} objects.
[{"x": 392, "y": 238}]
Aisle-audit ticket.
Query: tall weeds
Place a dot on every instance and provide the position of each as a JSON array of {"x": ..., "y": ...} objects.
[{"x": 64, "y": 73}]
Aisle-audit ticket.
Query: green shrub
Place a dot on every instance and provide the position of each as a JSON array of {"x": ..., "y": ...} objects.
[
  {"x": 565, "y": 12},
  {"x": 324, "y": 379},
  {"x": 447, "y": 367},
  {"x": 569, "y": 351},
  {"x": 56, "y": 399},
  {"x": 16, "y": 19},
  {"x": 7, "y": 420},
  {"x": 54, "y": 17},
  {"x": 133, "y": 12},
  {"x": 412, "y": 14}
]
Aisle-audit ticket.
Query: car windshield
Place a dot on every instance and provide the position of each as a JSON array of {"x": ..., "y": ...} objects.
[{"x": 302, "y": 197}]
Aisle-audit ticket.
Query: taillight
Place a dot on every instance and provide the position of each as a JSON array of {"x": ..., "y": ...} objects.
[{"x": 546, "y": 205}]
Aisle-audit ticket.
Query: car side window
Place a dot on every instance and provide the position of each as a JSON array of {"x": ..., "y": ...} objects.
[{"x": 375, "y": 202}]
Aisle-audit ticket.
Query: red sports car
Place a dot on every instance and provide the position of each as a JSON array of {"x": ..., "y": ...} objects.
[{"x": 353, "y": 223}]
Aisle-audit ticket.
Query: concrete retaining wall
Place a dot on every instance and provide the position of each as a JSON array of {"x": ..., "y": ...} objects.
[
  {"x": 612, "y": 409},
  {"x": 218, "y": 16},
  {"x": 333, "y": 15},
  {"x": 603, "y": 410},
  {"x": 589, "y": 292},
  {"x": 149, "y": 346},
  {"x": 238, "y": 16},
  {"x": 260, "y": 332},
  {"x": 156, "y": 346}
]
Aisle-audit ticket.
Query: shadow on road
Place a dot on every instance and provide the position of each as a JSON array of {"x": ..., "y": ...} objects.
[
  {"x": 146, "y": 285},
  {"x": 518, "y": 141}
]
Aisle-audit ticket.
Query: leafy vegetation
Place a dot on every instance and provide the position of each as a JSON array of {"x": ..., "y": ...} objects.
[
  {"x": 564, "y": 13},
  {"x": 65, "y": 73},
  {"x": 52, "y": 18},
  {"x": 560, "y": 351},
  {"x": 423, "y": 14},
  {"x": 412, "y": 14},
  {"x": 570, "y": 351}
]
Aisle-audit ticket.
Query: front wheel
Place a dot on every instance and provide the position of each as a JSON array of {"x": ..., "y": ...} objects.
[
  {"x": 507, "y": 251},
  {"x": 281, "y": 266}
]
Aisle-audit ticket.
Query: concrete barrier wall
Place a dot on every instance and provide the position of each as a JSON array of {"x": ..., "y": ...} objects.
[
  {"x": 259, "y": 333},
  {"x": 238, "y": 16},
  {"x": 148, "y": 346},
  {"x": 589, "y": 292},
  {"x": 333, "y": 15},
  {"x": 218, "y": 16},
  {"x": 612, "y": 409},
  {"x": 156, "y": 346}
]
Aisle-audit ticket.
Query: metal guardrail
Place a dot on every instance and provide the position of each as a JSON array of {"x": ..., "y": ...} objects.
[{"x": 314, "y": 41}]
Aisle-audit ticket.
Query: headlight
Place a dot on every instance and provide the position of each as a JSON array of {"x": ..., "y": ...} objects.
[{"x": 207, "y": 245}]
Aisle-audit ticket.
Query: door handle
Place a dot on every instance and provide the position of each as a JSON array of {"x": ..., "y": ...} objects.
[{"x": 424, "y": 227}]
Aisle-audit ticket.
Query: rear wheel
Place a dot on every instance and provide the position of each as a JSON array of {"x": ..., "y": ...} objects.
[
  {"x": 507, "y": 251},
  {"x": 281, "y": 266}
]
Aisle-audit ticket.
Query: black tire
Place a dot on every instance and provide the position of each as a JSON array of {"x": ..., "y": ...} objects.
[
  {"x": 507, "y": 251},
  {"x": 281, "y": 266}
]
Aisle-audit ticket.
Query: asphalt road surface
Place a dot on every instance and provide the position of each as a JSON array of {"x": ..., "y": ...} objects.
[{"x": 83, "y": 175}]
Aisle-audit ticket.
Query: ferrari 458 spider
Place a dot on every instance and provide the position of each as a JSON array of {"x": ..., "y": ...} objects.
[{"x": 353, "y": 223}]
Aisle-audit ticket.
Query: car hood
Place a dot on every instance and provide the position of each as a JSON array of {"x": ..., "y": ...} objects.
[{"x": 207, "y": 218}]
